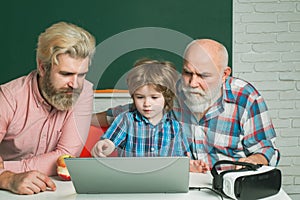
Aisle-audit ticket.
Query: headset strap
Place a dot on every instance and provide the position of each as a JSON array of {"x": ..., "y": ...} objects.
[{"x": 218, "y": 178}]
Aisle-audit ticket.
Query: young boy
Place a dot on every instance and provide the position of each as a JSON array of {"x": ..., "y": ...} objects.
[{"x": 148, "y": 128}]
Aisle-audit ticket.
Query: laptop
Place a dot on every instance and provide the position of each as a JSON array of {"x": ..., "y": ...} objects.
[{"x": 129, "y": 174}]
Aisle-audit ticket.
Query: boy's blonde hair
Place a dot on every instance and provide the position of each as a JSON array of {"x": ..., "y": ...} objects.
[{"x": 162, "y": 75}]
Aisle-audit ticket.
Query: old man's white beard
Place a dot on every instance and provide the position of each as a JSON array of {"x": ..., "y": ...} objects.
[{"x": 197, "y": 100}]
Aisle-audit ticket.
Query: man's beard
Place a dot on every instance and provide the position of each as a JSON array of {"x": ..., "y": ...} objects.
[
  {"x": 197, "y": 100},
  {"x": 61, "y": 99}
]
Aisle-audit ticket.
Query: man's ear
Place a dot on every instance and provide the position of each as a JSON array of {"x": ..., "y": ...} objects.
[
  {"x": 226, "y": 73},
  {"x": 41, "y": 67}
]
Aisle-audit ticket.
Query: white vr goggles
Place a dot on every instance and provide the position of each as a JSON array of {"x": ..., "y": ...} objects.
[{"x": 249, "y": 182}]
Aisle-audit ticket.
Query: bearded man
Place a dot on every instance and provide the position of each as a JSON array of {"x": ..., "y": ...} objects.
[
  {"x": 47, "y": 113},
  {"x": 226, "y": 117}
]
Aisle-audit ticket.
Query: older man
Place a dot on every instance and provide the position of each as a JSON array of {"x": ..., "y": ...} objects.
[{"x": 227, "y": 118}]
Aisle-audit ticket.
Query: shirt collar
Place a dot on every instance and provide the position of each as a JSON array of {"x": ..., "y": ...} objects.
[
  {"x": 227, "y": 91},
  {"x": 139, "y": 117}
]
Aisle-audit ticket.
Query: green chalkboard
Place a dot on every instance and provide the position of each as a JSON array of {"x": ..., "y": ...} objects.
[{"x": 125, "y": 30}]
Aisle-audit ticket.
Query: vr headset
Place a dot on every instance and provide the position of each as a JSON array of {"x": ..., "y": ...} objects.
[{"x": 249, "y": 182}]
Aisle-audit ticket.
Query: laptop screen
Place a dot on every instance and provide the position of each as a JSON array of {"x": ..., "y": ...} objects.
[{"x": 129, "y": 174}]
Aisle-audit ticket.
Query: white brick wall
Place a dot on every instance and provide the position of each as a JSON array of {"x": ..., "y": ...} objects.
[{"x": 266, "y": 50}]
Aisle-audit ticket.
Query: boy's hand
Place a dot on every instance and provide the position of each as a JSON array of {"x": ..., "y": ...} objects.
[{"x": 103, "y": 148}]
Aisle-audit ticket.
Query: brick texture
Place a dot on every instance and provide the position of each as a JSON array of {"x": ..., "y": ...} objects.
[{"x": 266, "y": 52}]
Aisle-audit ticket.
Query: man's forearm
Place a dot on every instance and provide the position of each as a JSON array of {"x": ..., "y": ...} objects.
[
  {"x": 5, "y": 179},
  {"x": 255, "y": 159},
  {"x": 100, "y": 119},
  {"x": 259, "y": 159}
]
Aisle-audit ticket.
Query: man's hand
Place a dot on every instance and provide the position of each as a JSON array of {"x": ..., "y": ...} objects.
[
  {"x": 198, "y": 166},
  {"x": 31, "y": 182},
  {"x": 254, "y": 159},
  {"x": 103, "y": 148}
]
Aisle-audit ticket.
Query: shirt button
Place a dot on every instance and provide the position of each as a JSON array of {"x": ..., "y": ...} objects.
[{"x": 152, "y": 148}]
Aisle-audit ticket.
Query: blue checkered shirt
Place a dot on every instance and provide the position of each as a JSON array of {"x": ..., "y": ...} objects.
[{"x": 134, "y": 135}]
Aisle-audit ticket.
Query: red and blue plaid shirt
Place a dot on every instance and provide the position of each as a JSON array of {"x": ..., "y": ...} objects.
[{"x": 236, "y": 126}]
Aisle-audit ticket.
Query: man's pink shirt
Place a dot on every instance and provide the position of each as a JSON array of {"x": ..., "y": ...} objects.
[{"x": 34, "y": 134}]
